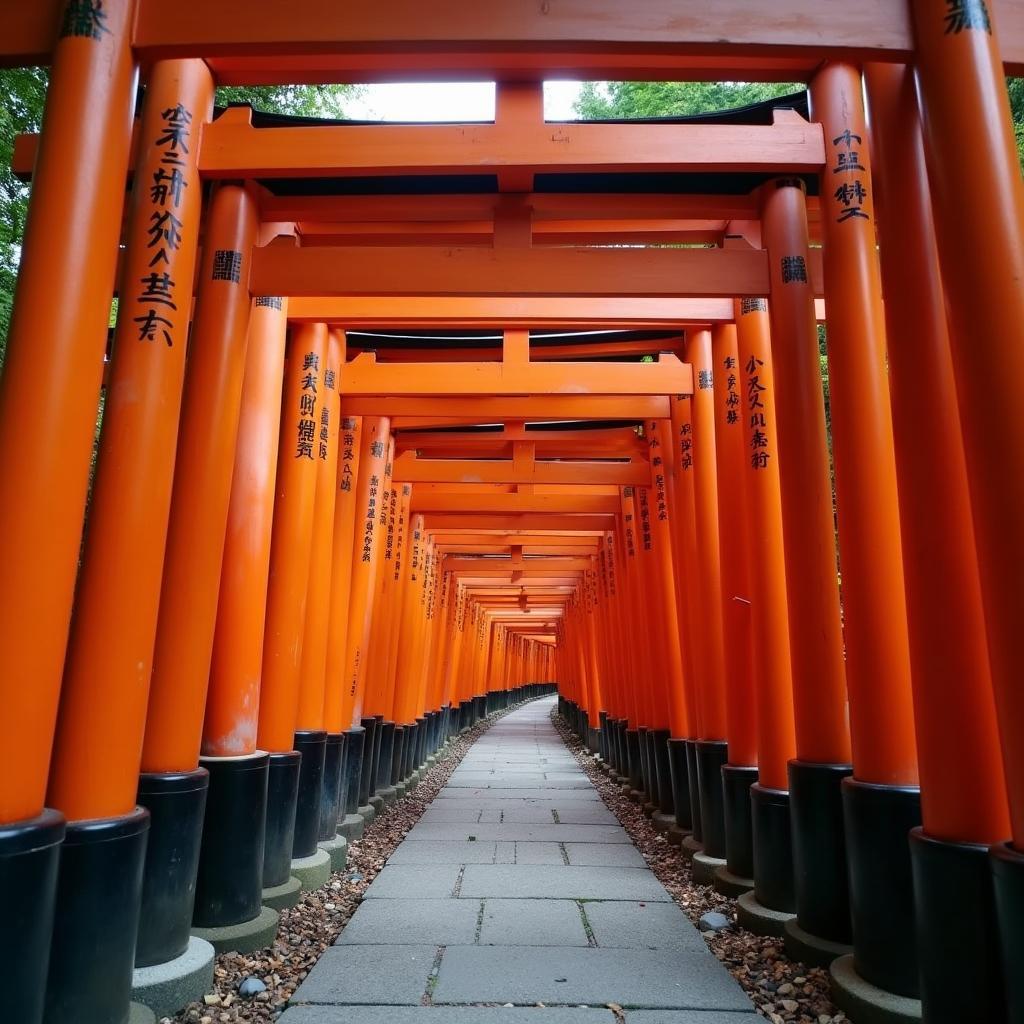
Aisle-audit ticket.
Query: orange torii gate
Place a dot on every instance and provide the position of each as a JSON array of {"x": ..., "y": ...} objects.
[{"x": 270, "y": 592}]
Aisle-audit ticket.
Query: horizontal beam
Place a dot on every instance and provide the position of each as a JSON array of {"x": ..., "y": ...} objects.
[
  {"x": 364, "y": 376},
  {"x": 266, "y": 40},
  {"x": 535, "y": 566},
  {"x": 504, "y": 522},
  {"x": 615, "y": 440},
  {"x": 589, "y": 350},
  {"x": 569, "y": 504},
  {"x": 532, "y": 408},
  {"x": 285, "y": 269},
  {"x": 621, "y": 474},
  {"x": 233, "y": 148},
  {"x": 497, "y": 311}
]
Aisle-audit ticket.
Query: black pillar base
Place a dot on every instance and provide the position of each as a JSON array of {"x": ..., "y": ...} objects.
[
  {"x": 693, "y": 778},
  {"x": 773, "y": 848},
  {"x": 366, "y": 772},
  {"x": 711, "y": 755},
  {"x": 957, "y": 931},
  {"x": 176, "y": 803},
  {"x": 397, "y": 753},
  {"x": 99, "y": 897},
  {"x": 878, "y": 820},
  {"x": 819, "y": 849},
  {"x": 739, "y": 829},
  {"x": 680, "y": 769},
  {"x": 387, "y": 750},
  {"x": 312, "y": 746},
  {"x": 633, "y": 748},
  {"x": 419, "y": 759},
  {"x": 411, "y": 739},
  {"x": 603, "y": 736},
  {"x": 282, "y": 799},
  {"x": 352, "y": 775},
  {"x": 1007, "y": 864},
  {"x": 378, "y": 739},
  {"x": 229, "y": 882},
  {"x": 29, "y": 855},
  {"x": 662, "y": 771},
  {"x": 331, "y": 798}
]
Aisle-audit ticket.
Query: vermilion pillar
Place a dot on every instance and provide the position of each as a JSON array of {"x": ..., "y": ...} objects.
[
  {"x": 978, "y": 199},
  {"x": 963, "y": 798},
  {"x": 54, "y": 362},
  {"x": 303, "y": 400},
  {"x": 776, "y": 739},
  {"x": 95, "y": 771},
  {"x": 740, "y": 773},
  {"x": 229, "y": 885},
  {"x": 709, "y": 653},
  {"x": 812, "y": 587},
  {"x": 313, "y": 864},
  {"x": 881, "y": 802}
]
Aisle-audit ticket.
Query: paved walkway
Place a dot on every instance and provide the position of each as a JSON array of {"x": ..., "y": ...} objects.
[{"x": 518, "y": 886}]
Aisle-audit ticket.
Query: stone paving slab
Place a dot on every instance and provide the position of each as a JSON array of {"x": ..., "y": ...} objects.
[
  {"x": 604, "y": 855},
  {"x": 539, "y": 853},
  {"x": 374, "y": 975},
  {"x": 616, "y": 924},
  {"x": 400, "y": 922},
  {"x": 535, "y": 793},
  {"x": 528, "y": 881},
  {"x": 515, "y": 832},
  {"x": 454, "y": 1015},
  {"x": 414, "y": 881},
  {"x": 690, "y": 1017},
  {"x": 565, "y": 975},
  {"x": 444, "y": 851},
  {"x": 518, "y": 886},
  {"x": 532, "y": 923}
]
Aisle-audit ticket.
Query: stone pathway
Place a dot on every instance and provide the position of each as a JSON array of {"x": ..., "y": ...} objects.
[{"x": 518, "y": 886}]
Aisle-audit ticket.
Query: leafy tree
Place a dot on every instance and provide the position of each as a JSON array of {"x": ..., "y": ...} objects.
[
  {"x": 303, "y": 100},
  {"x": 23, "y": 91},
  {"x": 672, "y": 99}
]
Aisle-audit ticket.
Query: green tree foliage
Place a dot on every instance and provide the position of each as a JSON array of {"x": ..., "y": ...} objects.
[
  {"x": 672, "y": 99},
  {"x": 1016, "y": 88},
  {"x": 22, "y": 92},
  {"x": 303, "y": 100},
  {"x": 22, "y": 96}
]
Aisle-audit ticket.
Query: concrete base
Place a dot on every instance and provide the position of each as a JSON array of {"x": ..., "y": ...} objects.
[
  {"x": 312, "y": 871},
  {"x": 337, "y": 850},
  {"x": 352, "y": 827},
  {"x": 401, "y": 789},
  {"x": 812, "y": 949},
  {"x": 377, "y": 803},
  {"x": 167, "y": 988},
  {"x": 729, "y": 884},
  {"x": 690, "y": 846},
  {"x": 431, "y": 761},
  {"x": 704, "y": 868},
  {"x": 759, "y": 919},
  {"x": 367, "y": 813},
  {"x": 389, "y": 795},
  {"x": 281, "y": 897},
  {"x": 863, "y": 1002},
  {"x": 662, "y": 822},
  {"x": 649, "y": 809},
  {"x": 140, "y": 1014},
  {"x": 244, "y": 937},
  {"x": 676, "y": 835}
]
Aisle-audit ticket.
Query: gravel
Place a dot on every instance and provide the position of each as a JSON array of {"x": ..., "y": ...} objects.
[
  {"x": 308, "y": 928},
  {"x": 782, "y": 990}
]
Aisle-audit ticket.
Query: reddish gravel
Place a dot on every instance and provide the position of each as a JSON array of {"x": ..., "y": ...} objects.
[{"x": 782, "y": 990}]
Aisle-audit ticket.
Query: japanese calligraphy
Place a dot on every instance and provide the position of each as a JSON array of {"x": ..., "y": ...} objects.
[
  {"x": 227, "y": 265},
  {"x": 732, "y": 394},
  {"x": 307, "y": 411},
  {"x": 759, "y": 453},
  {"x": 705, "y": 380},
  {"x": 84, "y": 19},
  {"x": 794, "y": 269},
  {"x": 851, "y": 195},
  {"x": 966, "y": 14},
  {"x": 756, "y": 305},
  {"x": 270, "y": 301}
]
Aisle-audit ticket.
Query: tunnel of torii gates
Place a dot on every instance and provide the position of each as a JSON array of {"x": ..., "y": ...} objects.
[{"x": 419, "y": 465}]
